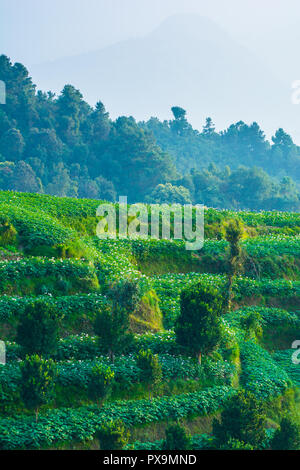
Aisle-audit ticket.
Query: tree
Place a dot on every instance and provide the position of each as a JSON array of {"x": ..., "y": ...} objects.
[
  {"x": 38, "y": 329},
  {"x": 287, "y": 437},
  {"x": 178, "y": 113},
  {"x": 113, "y": 436},
  {"x": 37, "y": 384},
  {"x": 61, "y": 184},
  {"x": 111, "y": 327},
  {"x": 125, "y": 293},
  {"x": 24, "y": 179},
  {"x": 198, "y": 327},
  {"x": 100, "y": 382},
  {"x": 179, "y": 126},
  {"x": 151, "y": 370},
  {"x": 136, "y": 162},
  {"x": 234, "y": 232},
  {"x": 177, "y": 438},
  {"x": 252, "y": 324},
  {"x": 170, "y": 194},
  {"x": 242, "y": 419},
  {"x": 69, "y": 112},
  {"x": 208, "y": 128},
  {"x": 12, "y": 144}
]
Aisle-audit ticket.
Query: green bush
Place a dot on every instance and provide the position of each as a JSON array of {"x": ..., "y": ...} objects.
[{"x": 38, "y": 329}]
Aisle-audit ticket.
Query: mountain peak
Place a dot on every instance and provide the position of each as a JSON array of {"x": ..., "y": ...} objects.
[{"x": 189, "y": 24}]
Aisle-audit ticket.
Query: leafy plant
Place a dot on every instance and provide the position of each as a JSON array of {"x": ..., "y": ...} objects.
[{"x": 37, "y": 382}]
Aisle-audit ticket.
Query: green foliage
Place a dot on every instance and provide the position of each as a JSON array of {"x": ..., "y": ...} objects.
[
  {"x": 166, "y": 193},
  {"x": 177, "y": 438},
  {"x": 100, "y": 382},
  {"x": 126, "y": 293},
  {"x": 235, "y": 444},
  {"x": 169, "y": 287},
  {"x": 260, "y": 373},
  {"x": 113, "y": 436},
  {"x": 37, "y": 382},
  {"x": 151, "y": 370},
  {"x": 198, "y": 328},
  {"x": 85, "y": 375},
  {"x": 242, "y": 419},
  {"x": 77, "y": 425},
  {"x": 234, "y": 232},
  {"x": 284, "y": 360},
  {"x": 229, "y": 175},
  {"x": 251, "y": 323},
  {"x": 287, "y": 437},
  {"x": 8, "y": 233},
  {"x": 61, "y": 145},
  {"x": 78, "y": 310},
  {"x": 38, "y": 329},
  {"x": 111, "y": 327}
]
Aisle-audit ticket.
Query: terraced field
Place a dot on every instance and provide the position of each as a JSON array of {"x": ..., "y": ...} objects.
[{"x": 49, "y": 252}]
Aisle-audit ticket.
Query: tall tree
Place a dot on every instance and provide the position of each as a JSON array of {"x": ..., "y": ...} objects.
[
  {"x": 111, "y": 327},
  {"x": 37, "y": 385},
  {"x": 243, "y": 419},
  {"x": 151, "y": 370},
  {"x": 38, "y": 329},
  {"x": 234, "y": 232},
  {"x": 198, "y": 327}
]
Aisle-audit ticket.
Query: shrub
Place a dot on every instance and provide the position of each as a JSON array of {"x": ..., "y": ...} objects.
[
  {"x": 37, "y": 382},
  {"x": 111, "y": 327},
  {"x": 101, "y": 378},
  {"x": 177, "y": 438},
  {"x": 151, "y": 370},
  {"x": 37, "y": 331},
  {"x": 198, "y": 327},
  {"x": 242, "y": 419},
  {"x": 113, "y": 436},
  {"x": 287, "y": 437}
]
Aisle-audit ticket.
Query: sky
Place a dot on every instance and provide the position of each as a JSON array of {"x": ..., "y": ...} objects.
[
  {"x": 34, "y": 31},
  {"x": 38, "y": 31}
]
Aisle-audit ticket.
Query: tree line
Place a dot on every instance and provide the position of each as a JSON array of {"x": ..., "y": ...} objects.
[{"x": 62, "y": 146}]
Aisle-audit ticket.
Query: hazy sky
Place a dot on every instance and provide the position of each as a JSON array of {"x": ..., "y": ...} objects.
[{"x": 33, "y": 31}]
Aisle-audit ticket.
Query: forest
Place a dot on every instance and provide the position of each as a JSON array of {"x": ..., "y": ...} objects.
[{"x": 60, "y": 145}]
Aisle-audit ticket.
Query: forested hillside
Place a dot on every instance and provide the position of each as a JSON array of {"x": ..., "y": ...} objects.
[{"x": 60, "y": 145}]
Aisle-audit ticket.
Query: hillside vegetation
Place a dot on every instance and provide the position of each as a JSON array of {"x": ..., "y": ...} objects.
[
  {"x": 50, "y": 256},
  {"x": 60, "y": 145}
]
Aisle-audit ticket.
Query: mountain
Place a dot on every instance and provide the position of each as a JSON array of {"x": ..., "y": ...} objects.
[{"x": 187, "y": 61}]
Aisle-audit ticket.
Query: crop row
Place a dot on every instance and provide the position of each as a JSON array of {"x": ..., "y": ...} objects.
[
  {"x": 68, "y": 307},
  {"x": 268, "y": 317},
  {"x": 62, "y": 206},
  {"x": 169, "y": 287},
  {"x": 43, "y": 267},
  {"x": 77, "y": 374},
  {"x": 289, "y": 360},
  {"x": 35, "y": 227},
  {"x": 258, "y": 246},
  {"x": 67, "y": 425},
  {"x": 260, "y": 373}
]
